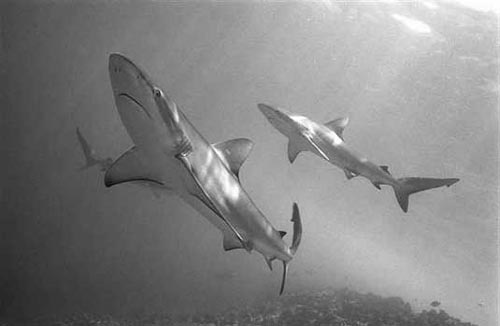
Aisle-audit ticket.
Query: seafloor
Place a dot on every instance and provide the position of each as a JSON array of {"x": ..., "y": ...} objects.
[{"x": 330, "y": 307}]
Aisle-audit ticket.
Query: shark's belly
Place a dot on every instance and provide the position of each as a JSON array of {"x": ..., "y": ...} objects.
[
  {"x": 348, "y": 159},
  {"x": 226, "y": 194},
  {"x": 342, "y": 156},
  {"x": 204, "y": 211}
]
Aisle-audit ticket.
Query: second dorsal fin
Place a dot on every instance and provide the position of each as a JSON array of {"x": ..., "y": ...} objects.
[{"x": 234, "y": 152}]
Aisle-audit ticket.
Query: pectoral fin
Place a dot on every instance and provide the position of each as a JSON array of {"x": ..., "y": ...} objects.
[
  {"x": 131, "y": 167},
  {"x": 229, "y": 242},
  {"x": 234, "y": 152},
  {"x": 293, "y": 151}
]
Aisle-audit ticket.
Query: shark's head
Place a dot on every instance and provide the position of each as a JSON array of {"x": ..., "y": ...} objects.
[
  {"x": 150, "y": 117},
  {"x": 278, "y": 118}
]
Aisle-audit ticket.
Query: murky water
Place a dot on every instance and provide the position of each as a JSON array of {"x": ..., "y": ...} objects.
[{"x": 419, "y": 82}]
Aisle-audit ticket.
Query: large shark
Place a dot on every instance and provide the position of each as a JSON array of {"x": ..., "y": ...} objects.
[
  {"x": 169, "y": 152},
  {"x": 327, "y": 141}
]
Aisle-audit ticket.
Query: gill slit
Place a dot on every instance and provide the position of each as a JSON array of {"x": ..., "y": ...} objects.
[{"x": 136, "y": 102}]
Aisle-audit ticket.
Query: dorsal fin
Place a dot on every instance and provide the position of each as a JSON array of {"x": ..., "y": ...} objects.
[
  {"x": 338, "y": 125},
  {"x": 282, "y": 233},
  {"x": 234, "y": 152},
  {"x": 385, "y": 168},
  {"x": 130, "y": 167}
]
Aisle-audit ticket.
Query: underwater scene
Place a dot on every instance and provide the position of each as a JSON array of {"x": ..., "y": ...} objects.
[{"x": 249, "y": 163}]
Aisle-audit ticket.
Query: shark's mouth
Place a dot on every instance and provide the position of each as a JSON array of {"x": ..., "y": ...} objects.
[{"x": 130, "y": 97}]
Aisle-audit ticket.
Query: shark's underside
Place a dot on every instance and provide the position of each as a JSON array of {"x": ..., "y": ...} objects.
[
  {"x": 327, "y": 141},
  {"x": 169, "y": 152}
]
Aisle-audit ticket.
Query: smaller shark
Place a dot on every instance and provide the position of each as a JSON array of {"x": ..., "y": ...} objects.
[
  {"x": 91, "y": 157},
  {"x": 327, "y": 141}
]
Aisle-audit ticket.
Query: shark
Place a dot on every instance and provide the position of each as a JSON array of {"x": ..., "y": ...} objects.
[
  {"x": 91, "y": 157},
  {"x": 169, "y": 152},
  {"x": 327, "y": 141}
]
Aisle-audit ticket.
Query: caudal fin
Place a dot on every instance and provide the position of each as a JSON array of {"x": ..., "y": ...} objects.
[
  {"x": 285, "y": 269},
  {"x": 88, "y": 152},
  {"x": 297, "y": 237},
  {"x": 297, "y": 229},
  {"x": 91, "y": 158},
  {"x": 408, "y": 186}
]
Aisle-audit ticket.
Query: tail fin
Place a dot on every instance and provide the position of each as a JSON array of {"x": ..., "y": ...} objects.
[
  {"x": 297, "y": 228},
  {"x": 285, "y": 269},
  {"x": 408, "y": 186},
  {"x": 297, "y": 237},
  {"x": 91, "y": 158}
]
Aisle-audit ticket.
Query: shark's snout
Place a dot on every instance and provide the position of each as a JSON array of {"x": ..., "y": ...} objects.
[
  {"x": 277, "y": 118},
  {"x": 131, "y": 84},
  {"x": 267, "y": 110},
  {"x": 272, "y": 114},
  {"x": 126, "y": 76},
  {"x": 121, "y": 66}
]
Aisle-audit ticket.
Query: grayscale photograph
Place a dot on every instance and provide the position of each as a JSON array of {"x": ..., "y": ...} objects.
[{"x": 231, "y": 162}]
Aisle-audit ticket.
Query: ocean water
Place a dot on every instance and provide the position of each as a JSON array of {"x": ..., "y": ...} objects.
[{"x": 418, "y": 80}]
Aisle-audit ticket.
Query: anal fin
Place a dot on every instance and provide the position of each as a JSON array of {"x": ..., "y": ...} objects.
[
  {"x": 349, "y": 174},
  {"x": 385, "y": 168},
  {"x": 269, "y": 262}
]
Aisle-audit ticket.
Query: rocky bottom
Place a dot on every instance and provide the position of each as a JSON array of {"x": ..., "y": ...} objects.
[{"x": 331, "y": 307}]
